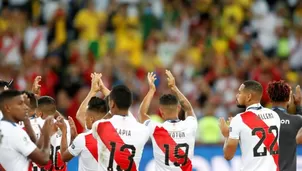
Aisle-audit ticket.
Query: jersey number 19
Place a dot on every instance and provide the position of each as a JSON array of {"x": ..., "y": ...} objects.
[{"x": 177, "y": 154}]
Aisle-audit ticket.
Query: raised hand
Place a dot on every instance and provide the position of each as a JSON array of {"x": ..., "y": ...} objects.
[
  {"x": 48, "y": 127},
  {"x": 61, "y": 124},
  {"x": 297, "y": 96},
  {"x": 101, "y": 83},
  {"x": 151, "y": 79},
  {"x": 73, "y": 128},
  {"x": 224, "y": 128},
  {"x": 95, "y": 79},
  {"x": 36, "y": 85},
  {"x": 170, "y": 79}
]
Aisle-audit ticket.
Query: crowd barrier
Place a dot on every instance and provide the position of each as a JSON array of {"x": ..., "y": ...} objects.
[{"x": 207, "y": 158}]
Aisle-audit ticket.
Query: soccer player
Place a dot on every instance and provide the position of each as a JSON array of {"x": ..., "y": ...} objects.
[
  {"x": 121, "y": 138},
  {"x": 257, "y": 130},
  {"x": 96, "y": 86},
  {"x": 31, "y": 122},
  {"x": 46, "y": 108},
  {"x": 4, "y": 86},
  {"x": 84, "y": 145},
  {"x": 16, "y": 149},
  {"x": 279, "y": 93},
  {"x": 173, "y": 141}
]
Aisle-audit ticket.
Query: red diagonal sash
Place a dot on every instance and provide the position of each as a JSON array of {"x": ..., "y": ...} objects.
[
  {"x": 161, "y": 136},
  {"x": 253, "y": 121},
  {"x": 36, "y": 41},
  {"x": 108, "y": 134},
  {"x": 92, "y": 146}
]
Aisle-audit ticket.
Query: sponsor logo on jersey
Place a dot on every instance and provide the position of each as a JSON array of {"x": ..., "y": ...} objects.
[{"x": 285, "y": 121}]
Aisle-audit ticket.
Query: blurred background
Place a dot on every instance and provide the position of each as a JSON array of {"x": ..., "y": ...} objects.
[{"x": 211, "y": 46}]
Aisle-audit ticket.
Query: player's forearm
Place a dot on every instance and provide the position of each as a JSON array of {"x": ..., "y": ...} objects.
[
  {"x": 144, "y": 107},
  {"x": 40, "y": 141},
  {"x": 184, "y": 102},
  {"x": 64, "y": 145},
  {"x": 29, "y": 130},
  {"x": 46, "y": 145},
  {"x": 82, "y": 109},
  {"x": 227, "y": 151},
  {"x": 105, "y": 91}
]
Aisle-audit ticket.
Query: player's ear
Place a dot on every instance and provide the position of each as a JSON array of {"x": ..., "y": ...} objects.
[
  {"x": 161, "y": 112},
  {"x": 7, "y": 108},
  {"x": 111, "y": 104},
  {"x": 178, "y": 108},
  {"x": 249, "y": 97}
]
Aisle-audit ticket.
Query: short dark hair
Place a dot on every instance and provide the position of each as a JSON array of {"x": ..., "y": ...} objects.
[
  {"x": 7, "y": 95},
  {"x": 98, "y": 105},
  {"x": 47, "y": 104},
  {"x": 168, "y": 99},
  {"x": 278, "y": 91},
  {"x": 32, "y": 99},
  {"x": 122, "y": 97},
  {"x": 4, "y": 83},
  {"x": 253, "y": 86}
]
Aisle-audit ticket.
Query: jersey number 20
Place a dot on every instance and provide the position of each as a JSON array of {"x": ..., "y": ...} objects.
[
  {"x": 176, "y": 154},
  {"x": 263, "y": 137}
]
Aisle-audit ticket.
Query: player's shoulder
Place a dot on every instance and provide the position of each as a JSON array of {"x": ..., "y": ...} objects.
[{"x": 140, "y": 125}]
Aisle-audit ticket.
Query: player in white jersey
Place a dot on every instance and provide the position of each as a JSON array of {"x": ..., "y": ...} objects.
[
  {"x": 85, "y": 145},
  {"x": 257, "y": 130},
  {"x": 173, "y": 141},
  {"x": 121, "y": 139},
  {"x": 4, "y": 86},
  {"x": 46, "y": 108},
  {"x": 16, "y": 149}
]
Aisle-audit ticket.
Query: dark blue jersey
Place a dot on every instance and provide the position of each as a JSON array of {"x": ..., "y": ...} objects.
[{"x": 290, "y": 125}]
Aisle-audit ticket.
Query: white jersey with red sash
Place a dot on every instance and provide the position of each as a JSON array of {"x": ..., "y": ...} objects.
[
  {"x": 173, "y": 143},
  {"x": 85, "y": 146},
  {"x": 121, "y": 140},
  {"x": 15, "y": 147},
  {"x": 258, "y": 131},
  {"x": 56, "y": 163}
]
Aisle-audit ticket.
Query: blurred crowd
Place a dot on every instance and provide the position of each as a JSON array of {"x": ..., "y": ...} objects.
[{"x": 211, "y": 46}]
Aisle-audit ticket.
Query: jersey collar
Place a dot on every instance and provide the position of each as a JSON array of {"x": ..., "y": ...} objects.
[
  {"x": 256, "y": 106},
  {"x": 13, "y": 123},
  {"x": 279, "y": 108},
  {"x": 173, "y": 120}
]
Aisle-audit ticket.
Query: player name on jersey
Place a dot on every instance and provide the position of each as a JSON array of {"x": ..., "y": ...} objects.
[
  {"x": 123, "y": 132},
  {"x": 177, "y": 134},
  {"x": 264, "y": 116}
]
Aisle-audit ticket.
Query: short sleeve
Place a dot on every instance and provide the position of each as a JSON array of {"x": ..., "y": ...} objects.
[
  {"x": 151, "y": 125},
  {"x": 235, "y": 127},
  {"x": 191, "y": 121},
  {"x": 77, "y": 145},
  {"x": 22, "y": 143}
]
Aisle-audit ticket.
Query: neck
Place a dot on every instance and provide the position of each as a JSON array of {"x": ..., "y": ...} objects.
[
  {"x": 9, "y": 119},
  {"x": 173, "y": 117},
  {"x": 120, "y": 112},
  {"x": 252, "y": 103},
  {"x": 280, "y": 104}
]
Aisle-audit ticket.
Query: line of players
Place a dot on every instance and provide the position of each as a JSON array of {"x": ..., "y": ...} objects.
[{"x": 115, "y": 139}]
